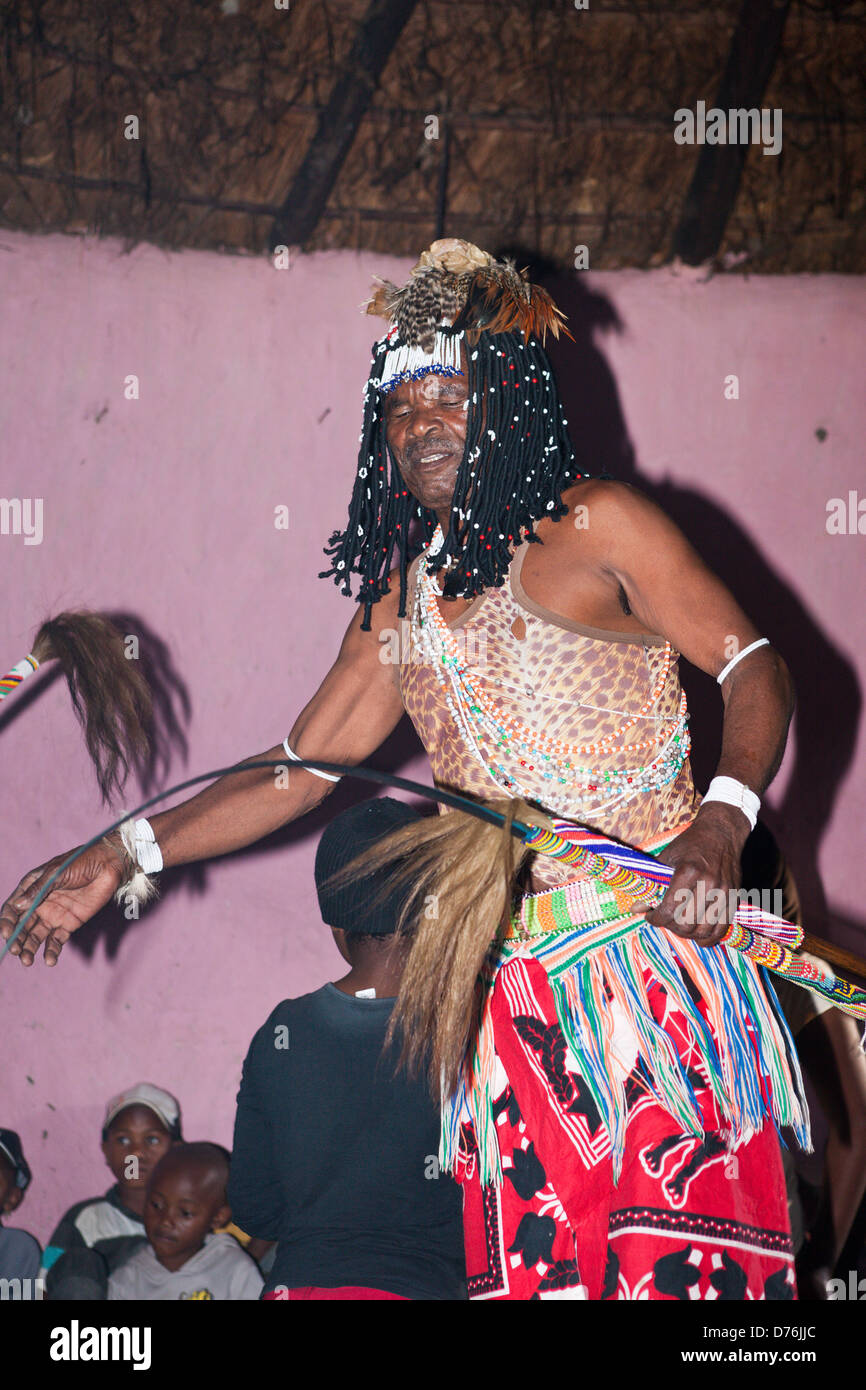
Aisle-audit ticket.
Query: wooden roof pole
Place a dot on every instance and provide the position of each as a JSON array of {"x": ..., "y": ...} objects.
[
  {"x": 716, "y": 179},
  {"x": 353, "y": 89}
]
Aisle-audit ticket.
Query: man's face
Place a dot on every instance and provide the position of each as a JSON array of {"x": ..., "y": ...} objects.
[{"x": 425, "y": 421}]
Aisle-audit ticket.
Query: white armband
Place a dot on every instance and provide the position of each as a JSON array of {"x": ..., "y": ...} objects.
[
  {"x": 761, "y": 642},
  {"x": 328, "y": 776}
]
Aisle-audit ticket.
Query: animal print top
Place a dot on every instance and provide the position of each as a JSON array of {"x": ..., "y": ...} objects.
[{"x": 575, "y": 683}]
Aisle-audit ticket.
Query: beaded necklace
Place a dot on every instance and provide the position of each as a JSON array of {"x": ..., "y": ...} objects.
[{"x": 574, "y": 788}]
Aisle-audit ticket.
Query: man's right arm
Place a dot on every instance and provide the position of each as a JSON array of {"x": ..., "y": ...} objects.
[{"x": 354, "y": 710}]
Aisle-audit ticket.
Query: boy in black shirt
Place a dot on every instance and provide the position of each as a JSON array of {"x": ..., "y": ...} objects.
[{"x": 335, "y": 1156}]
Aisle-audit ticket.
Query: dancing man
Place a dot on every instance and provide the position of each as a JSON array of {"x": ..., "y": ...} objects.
[{"x": 613, "y": 1082}]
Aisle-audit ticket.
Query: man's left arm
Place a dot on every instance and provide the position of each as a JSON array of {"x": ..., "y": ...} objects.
[{"x": 673, "y": 593}]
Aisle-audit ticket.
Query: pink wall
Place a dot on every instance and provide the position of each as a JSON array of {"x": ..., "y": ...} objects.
[{"x": 250, "y": 391}]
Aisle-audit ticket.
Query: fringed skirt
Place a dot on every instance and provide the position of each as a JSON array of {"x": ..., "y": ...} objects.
[{"x": 615, "y": 1130}]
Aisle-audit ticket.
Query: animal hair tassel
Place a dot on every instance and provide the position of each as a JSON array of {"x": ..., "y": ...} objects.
[{"x": 109, "y": 694}]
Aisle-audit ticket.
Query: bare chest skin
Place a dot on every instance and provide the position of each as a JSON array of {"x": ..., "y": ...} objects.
[{"x": 567, "y": 576}]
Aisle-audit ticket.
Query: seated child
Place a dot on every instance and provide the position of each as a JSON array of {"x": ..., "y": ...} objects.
[
  {"x": 19, "y": 1252},
  {"x": 186, "y": 1200},
  {"x": 94, "y": 1236}
]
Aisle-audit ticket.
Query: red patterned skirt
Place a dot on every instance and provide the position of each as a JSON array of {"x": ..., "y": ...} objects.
[{"x": 690, "y": 1218}]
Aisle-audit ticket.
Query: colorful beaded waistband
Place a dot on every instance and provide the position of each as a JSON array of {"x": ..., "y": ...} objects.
[{"x": 582, "y": 903}]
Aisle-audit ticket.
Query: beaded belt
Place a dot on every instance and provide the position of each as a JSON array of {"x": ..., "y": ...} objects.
[{"x": 582, "y": 903}]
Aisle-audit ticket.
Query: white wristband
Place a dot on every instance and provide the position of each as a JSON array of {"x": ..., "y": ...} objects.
[
  {"x": 734, "y": 793},
  {"x": 328, "y": 776},
  {"x": 140, "y": 844},
  {"x": 140, "y": 841},
  {"x": 726, "y": 671}
]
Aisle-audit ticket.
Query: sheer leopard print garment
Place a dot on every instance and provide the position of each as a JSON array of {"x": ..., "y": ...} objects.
[{"x": 572, "y": 682}]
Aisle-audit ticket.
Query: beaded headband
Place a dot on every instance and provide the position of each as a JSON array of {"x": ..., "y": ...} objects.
[{"x": 406, "y": 363}]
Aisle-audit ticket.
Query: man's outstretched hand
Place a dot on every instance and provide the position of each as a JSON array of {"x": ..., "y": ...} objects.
[
  {"x": 707, "y": 859},
  {"x": 76, "y": 896}
]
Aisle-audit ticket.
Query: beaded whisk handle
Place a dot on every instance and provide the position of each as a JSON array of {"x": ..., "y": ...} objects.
[{"x": 20, "y": 671}]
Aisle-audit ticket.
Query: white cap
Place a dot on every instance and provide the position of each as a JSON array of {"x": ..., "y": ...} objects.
[{"x": 160, "y": 1102}]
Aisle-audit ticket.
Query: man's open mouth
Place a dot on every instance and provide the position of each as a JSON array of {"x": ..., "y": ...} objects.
[{"x": 432, "y": 458}]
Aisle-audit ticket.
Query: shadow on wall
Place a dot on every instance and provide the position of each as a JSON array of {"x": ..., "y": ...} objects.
[{"x": 828, "y": 707}]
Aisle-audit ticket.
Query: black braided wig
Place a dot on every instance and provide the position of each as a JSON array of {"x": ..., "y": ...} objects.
[{"x": 517, "y": 461}]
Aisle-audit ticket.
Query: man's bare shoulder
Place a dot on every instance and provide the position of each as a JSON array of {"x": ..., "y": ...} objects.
[
  {"x": 609, "y": 501},
  {"x": 607, "y": 513}
]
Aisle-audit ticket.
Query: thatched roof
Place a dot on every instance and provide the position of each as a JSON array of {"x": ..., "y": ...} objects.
[{"x": 309, "y": 125}]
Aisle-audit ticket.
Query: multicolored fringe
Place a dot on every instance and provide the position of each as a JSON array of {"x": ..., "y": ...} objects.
[
  {"x": 20, "y": 671},
  {"x": 595, "y": 956}
]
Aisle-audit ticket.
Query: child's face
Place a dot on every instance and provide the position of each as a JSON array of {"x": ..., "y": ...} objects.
[
  {"x": 137, "y": 1140},
  {"x": 10, "y": 1193},
  {"x": 182, "y": 1206}
]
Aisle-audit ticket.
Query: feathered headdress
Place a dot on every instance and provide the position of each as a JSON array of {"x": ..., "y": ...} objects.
[{"x": 458, "y": 286}]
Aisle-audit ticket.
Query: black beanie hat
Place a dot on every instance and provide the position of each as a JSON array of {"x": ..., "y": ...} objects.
[{"x": 349, "y": 834}]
